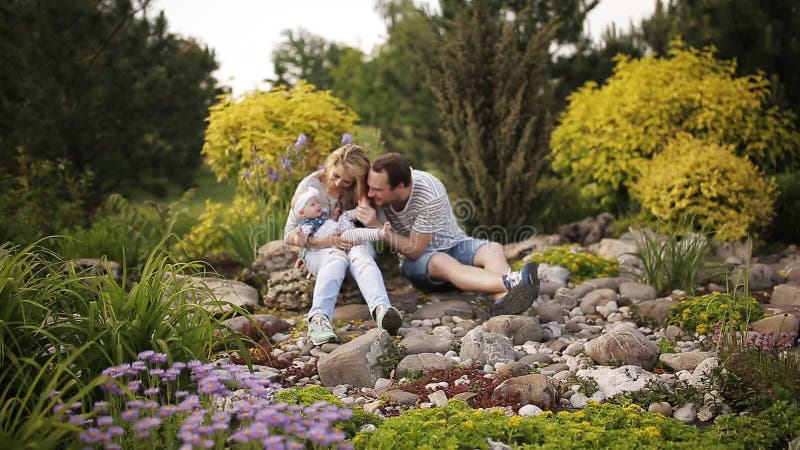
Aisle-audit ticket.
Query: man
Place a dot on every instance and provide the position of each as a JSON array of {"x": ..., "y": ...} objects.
[{"x": 435, "y": 251}]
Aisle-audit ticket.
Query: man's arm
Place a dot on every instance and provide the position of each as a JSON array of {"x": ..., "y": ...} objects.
[{"x": 412, "y": 246}]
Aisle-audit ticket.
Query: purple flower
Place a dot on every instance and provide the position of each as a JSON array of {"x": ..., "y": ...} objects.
[
  {"x": 143, "y": 427},
  {"x": 246, "y": 174},
  {"x": 111, "y": 387},
  {"x": 151, "y": 391},
  {"x": 249, "y": 433},
  {"x": 116, "y": 431},
  {"x": 302, "y": 140},
  {"x": 76, "y": 420},
  {"x": 273, "y": 176},
  {"x": 260, "y": 161},
  {"x": 286, "y": 164},
  {"x": 347, "y": 139},
  {"x": 105, "y": 421},
  {"x": 145, "y": 355},
  {"x": 130, "y": 414},
  {"x": 90, "y": 436},
  {"x": 112, "y": 446},
  {"x": 134, "y": 385}
]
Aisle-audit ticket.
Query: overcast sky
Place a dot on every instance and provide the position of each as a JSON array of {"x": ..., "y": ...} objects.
[{"x": 243, "y": 33}]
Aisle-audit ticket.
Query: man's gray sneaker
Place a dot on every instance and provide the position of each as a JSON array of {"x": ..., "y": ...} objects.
[
  {"x": 388, "y": 318},
  {"x": 320, "y": 330},
  {"x": 523, "y": 290}
]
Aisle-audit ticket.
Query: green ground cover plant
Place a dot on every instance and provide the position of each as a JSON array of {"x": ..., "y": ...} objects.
[
  {"x": 581, "y": 265},
  {"x": 700, "y": 314}
]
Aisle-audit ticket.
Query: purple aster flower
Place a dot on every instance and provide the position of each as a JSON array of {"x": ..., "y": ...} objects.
[
  {"x": 246, "y": 174},
  {"x": 77, "y": 420},
  {"x": 251, "y": 432},
  {"x": 111, "y": 387},
  {"x": 273, "y": 442},
  {"x": 116, "y": 431},
  {"x": 113, "y": 446},
  {"x": 286, "y": 164},
  {"x": 130, "y": 414},
  {"x": 302, "y": 140},
  {"x": 90, "y": 436},
  {"x": 157, "y": 372},
  {"x": 179, "y": 365},
  {"x": 134, "y": 385},
  {"x": 143, "y": 427},
  {"x": 150, "y": 405},
  {"x": 151, "y": 391},
  {"x": 159, "y": 358},
  {"x": 145, "y": 355},
  {"x": 58, "y": 408},
  {"x": 347, "y": 139},
  {"x": 181, "y": 395},
  {"x": 294, "y": 445},
  {"x": 260, "y": 161},
  {"x": 273, "y": 176},
  {"x": 104, "y": 421}
]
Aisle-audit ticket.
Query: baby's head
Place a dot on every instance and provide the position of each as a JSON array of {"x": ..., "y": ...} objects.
[{"x": 307, "y": 204}]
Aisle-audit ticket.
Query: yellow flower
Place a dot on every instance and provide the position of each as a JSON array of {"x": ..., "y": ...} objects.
[
  {"x": 470, "y": 425},
  {"x": 514, "y": 421},
  {"x": 702, "y": 328},
  {"x": 651, "y": 432}
]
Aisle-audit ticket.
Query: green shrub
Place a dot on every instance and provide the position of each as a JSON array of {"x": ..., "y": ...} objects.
[
  {"x": 785, "y": 227},
  {"x": 672, "y": 263},
  {"x": 309, "y": 395},
  {"x": 708, "y": 182},
  {"x": 581, "y": 266},
  {"x": 700, "y": 314}
]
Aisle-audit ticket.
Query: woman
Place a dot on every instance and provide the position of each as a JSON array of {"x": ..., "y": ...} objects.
[{"x": 341, "y": 183}]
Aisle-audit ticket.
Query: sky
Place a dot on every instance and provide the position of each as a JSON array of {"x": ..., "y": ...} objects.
[{"x": 243, "y": 33}]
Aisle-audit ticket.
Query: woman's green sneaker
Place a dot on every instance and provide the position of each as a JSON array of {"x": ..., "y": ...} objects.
[{"x": 320, "y": 330}]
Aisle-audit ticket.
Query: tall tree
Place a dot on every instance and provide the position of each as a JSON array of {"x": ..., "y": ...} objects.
[
  {"x": 106, "y": 87},
  {"x": 306, "y": 56},
  {"x": 493, "y": 93}
]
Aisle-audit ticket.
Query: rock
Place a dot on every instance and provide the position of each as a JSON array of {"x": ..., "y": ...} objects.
[
  {"x": 574, "y": 349},
  {"x": 486, "y": 348},
  {"x": 94, "y": 267},
  {"x": 549, "y": 288},
  {"x": 587, "y": 231},
  {"x": 514, "y": 369},
  {"x": 781, "y": 323},
  {"x": 535, "y": 389},
  {"x": 578, "y": 400},
  {"x": 552, "y": 274},
  {"x": 426, "y": 343},
  {"x": 702, "y": 371},
  {"x": 520, "y": 329},
  {"x": 607, "y": 309},
  {"x": 260, "y": 326},
  {"x": 614, "y": 248},
  {"x": 536, "y": 358},
  {"x": 596, "y": 298},
  {"x": 423, "y": 362},
  {"x": 532, "y": 245},
  {"x": 685, "y": 360},
  {"x": 530, "y": 411},
  {"x": 785, "y": 294},
  {"x": 398, "y": 397},
  {"x": 292, "y": 289},
  {"x": 446, "y": 308},
  {"x": 663, "y": 408},
  {"x": 355, "y": 362},
  {"x": 438, "y": 398},
  {"x": 349, "y": 313},
  {"x": 761, "y": 276},
  {"x": 637, "y": 291},
  {"x": 740, "y": 249},
  {"x": 208, "y": 290},
  {"x": 623, "y": 346},
  {"x": 622, "y": 379},
  {"x": 550, "y": 311},
  {"x": 274, "y": 256},
  {"x": 686, "y": 413},
  {"x": 673, "y": 333},
  {"x": 566, "y": 298},
  {"x": 655, "y": 311}
]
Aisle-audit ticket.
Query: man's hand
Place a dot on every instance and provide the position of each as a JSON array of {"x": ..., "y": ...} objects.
[{"x": 366, "y": 214}]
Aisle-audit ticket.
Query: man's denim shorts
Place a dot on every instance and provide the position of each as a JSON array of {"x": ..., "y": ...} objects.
[{"x": 416, "y": 271}]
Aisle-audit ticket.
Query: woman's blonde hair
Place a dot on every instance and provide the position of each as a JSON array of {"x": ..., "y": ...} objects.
[{"x": 355, "y": 161}]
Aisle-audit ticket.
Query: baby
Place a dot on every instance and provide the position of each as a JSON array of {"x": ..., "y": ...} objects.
[{"x": 315, "y": 223}]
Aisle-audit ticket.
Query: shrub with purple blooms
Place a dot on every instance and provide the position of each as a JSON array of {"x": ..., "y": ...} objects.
[{"x": 150, "y": 404}]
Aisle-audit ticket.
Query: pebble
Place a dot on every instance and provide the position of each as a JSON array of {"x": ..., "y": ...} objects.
[{"x": 530, "y": 411}]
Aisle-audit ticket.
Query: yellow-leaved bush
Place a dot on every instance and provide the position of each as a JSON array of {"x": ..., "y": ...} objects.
[
  {"x": 707, "y": 182},
  {"x": 266, "y": 141},
  {"x": 607, "y": 131}
]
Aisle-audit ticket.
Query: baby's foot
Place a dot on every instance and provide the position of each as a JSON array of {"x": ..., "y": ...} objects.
[{"x": 383, "y": 230}]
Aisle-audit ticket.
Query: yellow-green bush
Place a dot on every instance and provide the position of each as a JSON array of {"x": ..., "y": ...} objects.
[
  {"x": 606, "y": 131},
  {"x": 705, "y": 181},
  {"x": 266, "y": 142},
  {"x": 582, "y": 266},
  {"x": 700, "y": 314}
]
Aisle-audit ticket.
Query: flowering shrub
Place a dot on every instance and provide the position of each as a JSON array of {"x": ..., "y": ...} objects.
[
  {"x": 708, "y": 182},
  {"x": 223, "y": 406},
  {"x": 700, "y": 314},
  {"x": 582, "y": 266}
]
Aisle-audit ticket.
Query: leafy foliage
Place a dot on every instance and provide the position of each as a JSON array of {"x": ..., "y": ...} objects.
[
  {"x": 309, "y": 395},
  {"x": 705, "y": 181},
  {"x": 672, "y": 262},
  {"x": 492, "y": 95},
  {"x": 700, "y": 314},
  {"x": 582, "y": 266},
  {"x": 106, "y": 87},
  {"x": 606, "y": 132}
]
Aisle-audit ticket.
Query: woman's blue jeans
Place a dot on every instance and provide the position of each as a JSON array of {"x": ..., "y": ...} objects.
[{"x": 330, "y": 265}]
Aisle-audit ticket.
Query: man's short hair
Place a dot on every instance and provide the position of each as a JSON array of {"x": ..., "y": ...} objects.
[{"x": 396, "y": 167}]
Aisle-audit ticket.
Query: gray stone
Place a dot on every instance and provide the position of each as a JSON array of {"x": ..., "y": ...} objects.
[
  {"x": 438, "y": 398},
  {"x": 446, "y": 308},
  {"x": 781, "y": 323},
  {"x": 760, "y": 277},
  {"x": 355, "y": 362},
  {"x": 208, "y": 291},
  {"x": 398, "y": 397},
  {"x": 486, "y": 348},
  {"x": 614, "y": 248},
  {"x": 552, "y": 274},
  {"x": 550, "y": 311},
  {"x": 424, "y": 362},
  {"x": 530, "y": 411},
  {"x": 637, "y": 291},
  {"x": 686, "y": 413},
  {"x": 536, "y": 358},
  {"x": 785, "y": 294},
  {"x": 574, "y": 349},
  {"x": 534, "y": 244},
  {"x": 622, "y": 379},
  {"x": 578, "y": 400},
  {"x": 655, "y": 311},
  {"x": 663, "y": 408},
  {"x": 274, "y": 256},
  {"x": 94, "y": 267},
  {"x": 426, "y": 343},
  {"x": 623, "y": 346},
  {"x": 566, "y": 298},
  {"x": 604, "y": 283},
  {"x": 674, "y": 332},
  {"x": 549, "y": 288},
  {"x": 520, "y": 329},
  {"x": 580, "y": 291},
  {"x": 596, "y": 298},
  {"x": 257, "y": 326},
  {"x": 741, "y": 249},
  {"x": 535, "y": 389},
  {"x": 349, "y": 313},
  {"x": 685, "y": 360}
]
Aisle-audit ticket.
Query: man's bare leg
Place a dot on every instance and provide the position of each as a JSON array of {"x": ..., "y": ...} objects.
[{"x": 492, "y": 258}]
